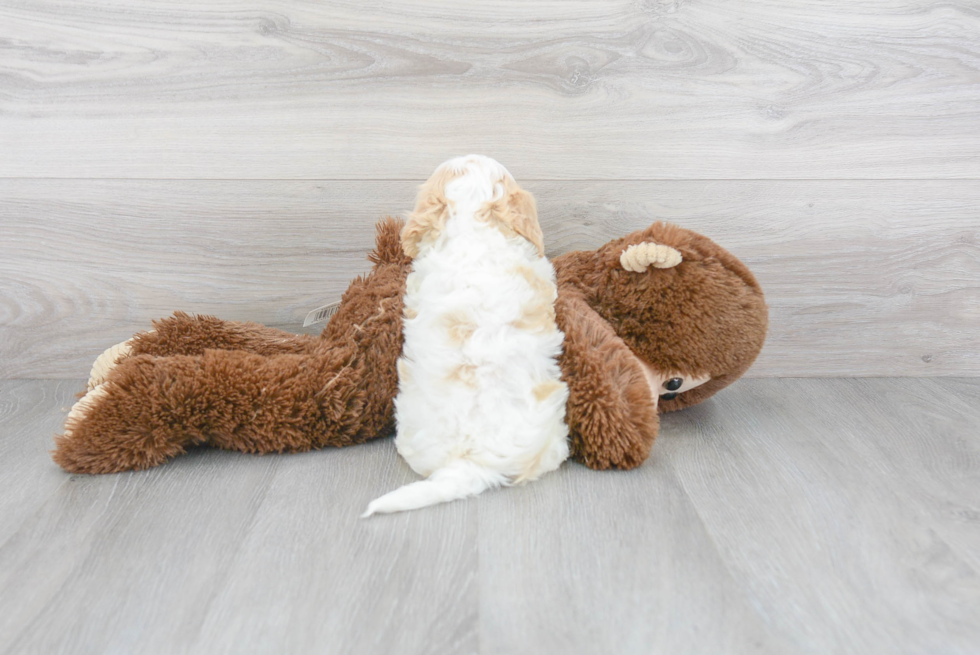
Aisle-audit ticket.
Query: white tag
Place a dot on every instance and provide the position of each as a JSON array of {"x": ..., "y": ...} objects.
[{"x": 321, "y": 314}]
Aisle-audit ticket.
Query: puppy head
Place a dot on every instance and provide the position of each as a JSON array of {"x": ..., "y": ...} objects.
[{"x": 471, "y": 183}]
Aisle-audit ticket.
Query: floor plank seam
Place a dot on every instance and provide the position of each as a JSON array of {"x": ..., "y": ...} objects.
[
  {"x": 750, "y": 599},
  {"x": 229, "y": 562}
]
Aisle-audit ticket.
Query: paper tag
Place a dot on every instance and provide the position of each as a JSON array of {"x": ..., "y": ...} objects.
[{"x": 321, "y": 314}]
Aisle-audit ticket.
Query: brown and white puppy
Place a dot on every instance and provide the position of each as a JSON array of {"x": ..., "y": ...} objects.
[{"x": 480, "y": 399}]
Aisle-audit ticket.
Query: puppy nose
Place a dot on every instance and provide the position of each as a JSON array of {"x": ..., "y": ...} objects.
[{"x": 668, "y": 396}]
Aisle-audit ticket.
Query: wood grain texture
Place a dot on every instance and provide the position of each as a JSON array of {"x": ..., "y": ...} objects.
[
  {"x": 782, "y": 516},
  {"x": 609, "y": 562},
  {"x": 662, "y": 89},
  {"x": 865, "y": 507},
  {"x": 863, "y": 278},
  {"x": 219, "y": 552},
  {"x": 30, "y": 413}
]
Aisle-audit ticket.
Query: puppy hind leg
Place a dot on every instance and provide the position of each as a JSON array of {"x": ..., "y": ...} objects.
[{"x": 459, "y": 479}]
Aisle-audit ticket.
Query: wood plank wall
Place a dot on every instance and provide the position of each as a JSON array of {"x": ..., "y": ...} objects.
[{"x": 231, "y": 157}]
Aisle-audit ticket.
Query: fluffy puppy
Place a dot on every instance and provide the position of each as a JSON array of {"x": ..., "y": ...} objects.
[{"x": 480, "y": 399}]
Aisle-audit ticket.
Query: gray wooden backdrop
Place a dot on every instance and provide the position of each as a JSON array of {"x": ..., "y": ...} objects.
[{"x": 231, "y": 157}]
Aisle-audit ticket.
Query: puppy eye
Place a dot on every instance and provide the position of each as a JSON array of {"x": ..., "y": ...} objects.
[
  {"x": 668, "y": 396},
  {"x": 673, "y": 384}
]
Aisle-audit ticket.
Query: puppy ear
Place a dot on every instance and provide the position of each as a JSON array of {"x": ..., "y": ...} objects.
[
  {"x": 430, "y": 215},
  {"x": 518, "y": 212},
  {"x": 524, "y": 210}
]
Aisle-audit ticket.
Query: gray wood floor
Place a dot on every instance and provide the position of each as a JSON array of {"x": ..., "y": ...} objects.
[{"x": 783, "y": 516}]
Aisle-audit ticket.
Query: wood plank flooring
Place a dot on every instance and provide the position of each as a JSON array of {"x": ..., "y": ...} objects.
[
  {"x": 783, "y": 516},
  {"x": 659, "y": 89},
  {"x": 863, "y": 277},
  {"x": 230, "y": 157}
]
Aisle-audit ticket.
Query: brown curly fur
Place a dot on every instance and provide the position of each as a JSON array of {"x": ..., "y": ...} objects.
[
  {"x": 611, "y": 416},
  {"x": 704, "y": 317},
  {"x": 242, "y": 386}
]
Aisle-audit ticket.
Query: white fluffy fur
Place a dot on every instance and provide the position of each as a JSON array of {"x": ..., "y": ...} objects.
[{"x": 482, "y": 406}]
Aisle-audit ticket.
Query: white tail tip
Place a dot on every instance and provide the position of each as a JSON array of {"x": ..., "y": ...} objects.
[{"x": 459, "y": 479}]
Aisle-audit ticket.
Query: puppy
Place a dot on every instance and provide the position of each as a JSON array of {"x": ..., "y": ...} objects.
[{"x": 480, "y": 399}]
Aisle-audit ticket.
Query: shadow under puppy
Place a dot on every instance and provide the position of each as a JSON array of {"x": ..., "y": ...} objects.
[{"x": 480, "y": 398}]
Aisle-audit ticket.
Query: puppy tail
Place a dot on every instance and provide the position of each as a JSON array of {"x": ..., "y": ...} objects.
[{"x": 459, "y": 479}]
